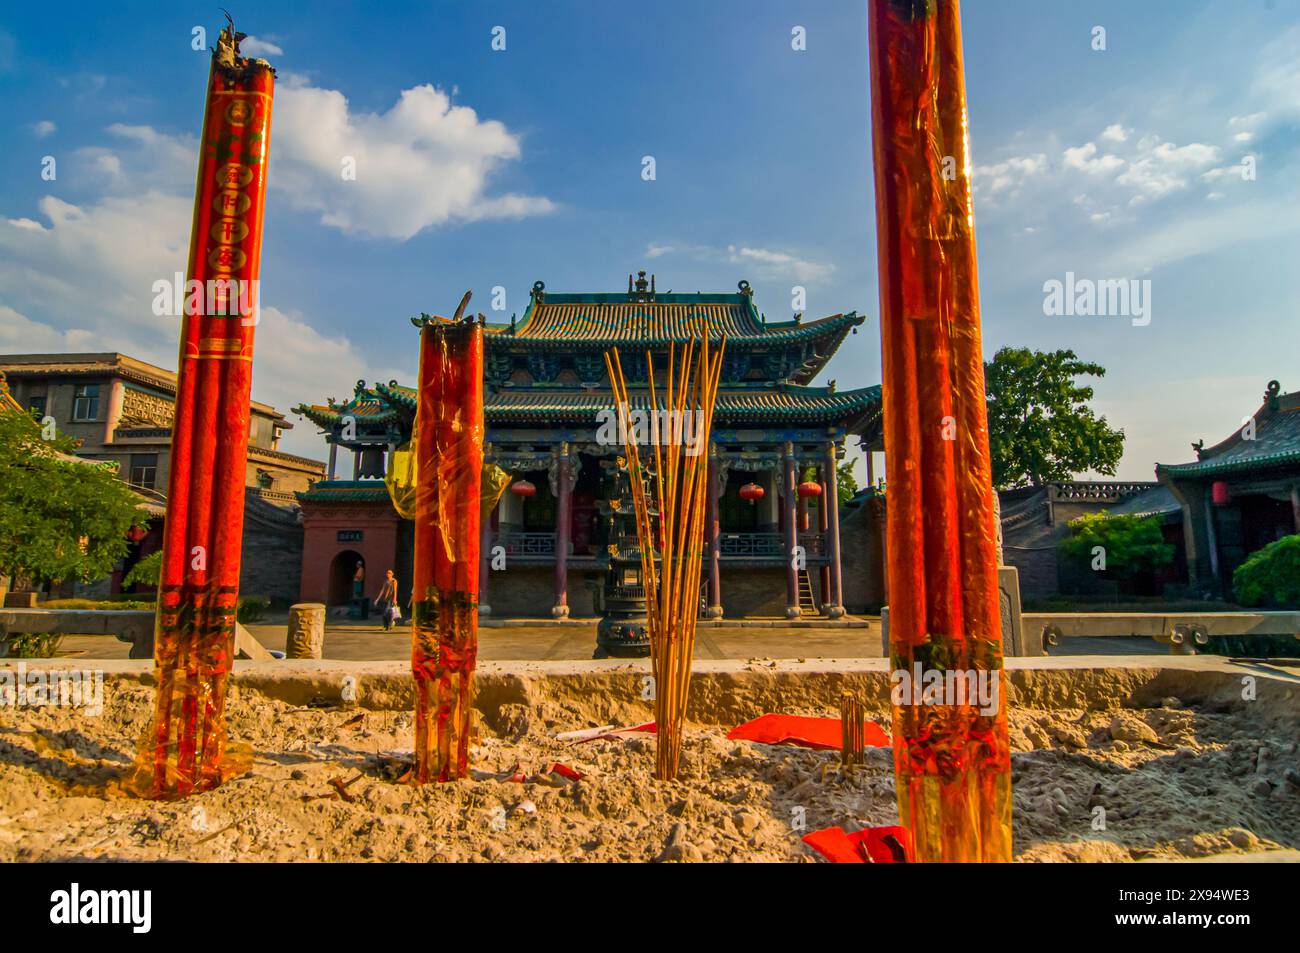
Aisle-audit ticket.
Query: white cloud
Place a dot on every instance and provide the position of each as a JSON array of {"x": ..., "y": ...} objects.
[
  {"x": 1010, "y": 172},
  {"x": 1163, "y": 167},
  {"x": 767, "y": 263},
  {"x": 1114, "y": 133},
  {"x": 1084, "y": 159},
  {"x": 81, "y": 279},
  {"x": 44, "y": 128},
  {"x": 424, "y": 162},
  {"x": 154, "y": 159},
  {"x": 779, "y": 264},
  {"x": 254, "y": 46}
]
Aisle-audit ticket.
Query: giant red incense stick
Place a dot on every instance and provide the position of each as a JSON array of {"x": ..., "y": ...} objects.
[
  {"x": 951, "y": 759},
  {"x": 199, "y": 585},
  {"x": 448, "y": 444}
]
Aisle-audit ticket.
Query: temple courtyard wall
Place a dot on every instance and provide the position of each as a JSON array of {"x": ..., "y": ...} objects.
[{"x": 1184, "y": 766}]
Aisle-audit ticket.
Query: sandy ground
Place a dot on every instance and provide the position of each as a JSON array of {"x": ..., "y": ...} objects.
[{"x": 1173, "y": 782}]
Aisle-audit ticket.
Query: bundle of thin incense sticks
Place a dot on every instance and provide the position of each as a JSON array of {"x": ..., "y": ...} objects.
[
  {"x": 853, "y": 743},
  {"x": 673, "y": 490}
]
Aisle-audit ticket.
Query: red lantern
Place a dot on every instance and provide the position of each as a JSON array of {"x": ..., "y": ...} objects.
[
  {"x": 523, "y": 488},
  {"x": 1219, "y": 493},
  {"x": 136, "y": 533},
  {"x": 810, "y": 488},
  {"x": 751, "y": 492}
]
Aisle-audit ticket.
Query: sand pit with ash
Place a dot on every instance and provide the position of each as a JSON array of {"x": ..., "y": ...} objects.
[{"x": 1173, "y": 780}]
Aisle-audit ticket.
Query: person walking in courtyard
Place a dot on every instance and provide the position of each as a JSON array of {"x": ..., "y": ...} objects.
[{"x": 387, "y": 601}]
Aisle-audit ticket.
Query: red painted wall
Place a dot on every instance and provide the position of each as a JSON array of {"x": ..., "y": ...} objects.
[{"x": 378, "y": 546}]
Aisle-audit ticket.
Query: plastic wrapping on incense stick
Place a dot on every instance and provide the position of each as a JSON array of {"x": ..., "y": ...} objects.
[
  {"x": 186, "y": 749},
  {"x": 448, "y": 451},
  {"x": 951, "y": 760}
]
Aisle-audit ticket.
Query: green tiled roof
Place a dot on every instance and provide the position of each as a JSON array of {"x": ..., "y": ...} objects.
[
  {"x": 602, "y": 320},
  {"x": 811, "y": 405},
  {"x": 814, "y": 405},
  {"x": 1276, "y": 443},
  {"x": 353, "y": 491}
]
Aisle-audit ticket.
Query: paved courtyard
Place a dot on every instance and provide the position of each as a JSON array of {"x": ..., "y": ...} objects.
[{"x": 350, "y": 640}]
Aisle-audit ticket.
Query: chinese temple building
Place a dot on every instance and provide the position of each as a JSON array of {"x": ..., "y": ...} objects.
[
  {"x": 1240, "y": 494},
  {"x": 773, "y": 548}
]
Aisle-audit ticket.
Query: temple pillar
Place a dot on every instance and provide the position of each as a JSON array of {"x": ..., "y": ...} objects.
[
  {"x": 563, "y": 519},
  {"x": 1198, "y": 539},
  {"x": 484, "y": 563},
  {"x": 834, "y": 607},
  {"x": 356, "y": 464},
  {"x": 1295, "y": 508},
  {"x": 823, "y": 526},
  {"x": 713, "y": 536},
  {"x": 790, "y": 525},
  {"x": 334, "y": 459}
]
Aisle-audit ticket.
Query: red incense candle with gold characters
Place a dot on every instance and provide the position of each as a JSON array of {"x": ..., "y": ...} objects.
[
  {"x": 448, "y": 443},
  {"x": 199, "y": 585},
  {"x": 949, "y": 716}
]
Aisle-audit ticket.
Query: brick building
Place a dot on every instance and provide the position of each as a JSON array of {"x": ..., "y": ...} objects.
[{"x": 120, "y": 409}]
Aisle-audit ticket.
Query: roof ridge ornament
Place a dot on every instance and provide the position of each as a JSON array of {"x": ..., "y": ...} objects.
[
  {"x": 1271, "y": 396},
  {"x": 539, "y": 291}
]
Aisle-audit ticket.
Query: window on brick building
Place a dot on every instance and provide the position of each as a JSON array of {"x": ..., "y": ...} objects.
[
  {"x": 85, "y": 402},
  {"x": 144, "y": 470}
]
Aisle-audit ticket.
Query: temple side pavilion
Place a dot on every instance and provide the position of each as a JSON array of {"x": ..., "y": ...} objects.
[{"x": 545, "y": 389}]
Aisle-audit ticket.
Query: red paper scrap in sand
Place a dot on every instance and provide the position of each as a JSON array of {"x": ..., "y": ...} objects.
[
  {"x": 594, "y": 734},
  {"x": 517, "y": 775},
  {"x": 872, "y": 845},
  {"x": 820, "y": 733}
]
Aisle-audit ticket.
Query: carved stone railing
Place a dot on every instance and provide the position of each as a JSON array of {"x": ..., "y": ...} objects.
[
  {"x": 748, "y": 545},
  {"x": 527, "y": 544}
]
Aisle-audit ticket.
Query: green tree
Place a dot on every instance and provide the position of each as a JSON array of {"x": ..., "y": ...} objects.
[
  {"x": 1040, "y": 425},
  {"x": 146, "y": 572},
  {"x": 1270, "y": 576},
  {"x": 1118, "y": 547},
  {"x": 846, "y": 482},
  {"x": 60, "y": 518}
]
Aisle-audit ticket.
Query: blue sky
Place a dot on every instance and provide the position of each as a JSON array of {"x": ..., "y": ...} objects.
[{"x": 478, "y": 168}]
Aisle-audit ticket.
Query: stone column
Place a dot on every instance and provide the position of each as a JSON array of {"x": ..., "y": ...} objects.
[
  {"x": 835, "y": 602},
  {"x": 306, "y": 635},
  {"x": 113, "y": 401},
  {"x": 563, "y": 518},
  {"x": 484, "y": 563},
  {"x": 334, "y": 459},
  {"x": 789, "y": 518},
  {"x": 823, "y": 526},
  {"x": 712, "y": 535}
]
